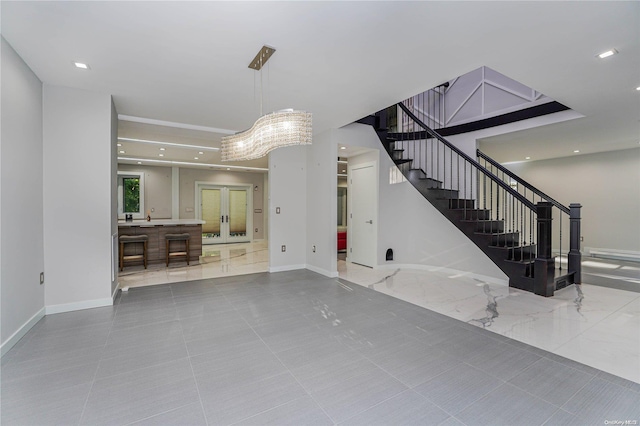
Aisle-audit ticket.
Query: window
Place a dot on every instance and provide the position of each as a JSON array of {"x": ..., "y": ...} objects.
[{"x": 131, "y": 194}]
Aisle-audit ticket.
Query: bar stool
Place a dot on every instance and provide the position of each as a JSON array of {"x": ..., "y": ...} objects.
[
  {"x": 126, "y": 239},
  {"x": 178, "y": 237}
]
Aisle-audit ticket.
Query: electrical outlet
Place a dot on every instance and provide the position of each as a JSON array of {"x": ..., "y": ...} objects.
[
  {"x": 313, "y": 249},
  {"x": 278, "y": 211},
  {"x": 256, "y": 229},
  {"x": 581, "y": 238},
  {"x": 284, "y": 248},
  {"x": 41, "y": 277}
]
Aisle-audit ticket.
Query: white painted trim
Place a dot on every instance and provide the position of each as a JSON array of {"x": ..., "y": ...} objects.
[
  {"x": 633, "y": 256},
  {"x": 322, "y": 271},
  {"x": 286, "y": 268},
  {"x": 115, "y": 292},
  {"x": 456, "y": 272},
  {"x": 140, "y": 175},
  {"x": 79, "y": 306},
  {"x": 175, "y": 192},
  {"x": 175, "y": 124},
  {"x": 20, "y": 332}
]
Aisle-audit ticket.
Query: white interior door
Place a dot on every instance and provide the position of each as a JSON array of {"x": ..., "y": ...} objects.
[
  {"x": 363, "y": 217},
  {"x": 226, "y": 213}
]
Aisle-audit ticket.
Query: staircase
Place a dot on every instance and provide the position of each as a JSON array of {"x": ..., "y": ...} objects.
[{"x": 508, "y": 219}]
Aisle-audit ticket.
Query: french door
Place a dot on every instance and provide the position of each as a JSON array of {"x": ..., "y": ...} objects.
[{"x": 225, "y": 209}]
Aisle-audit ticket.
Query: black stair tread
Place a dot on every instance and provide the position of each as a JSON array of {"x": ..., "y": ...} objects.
[
  {"x": 403, "y": 161},
  {"x": 398, "y": 150}
]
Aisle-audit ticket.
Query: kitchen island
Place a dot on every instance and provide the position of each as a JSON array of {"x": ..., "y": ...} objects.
[{"x": 156, "y": 229}]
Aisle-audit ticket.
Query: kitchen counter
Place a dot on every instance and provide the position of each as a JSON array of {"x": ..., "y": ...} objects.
[{"x": 156, "y": 230}]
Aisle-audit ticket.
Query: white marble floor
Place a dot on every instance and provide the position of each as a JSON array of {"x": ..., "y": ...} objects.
[
  {"x": 594, "y": 325},
  {"x": 219, "y": 260}
]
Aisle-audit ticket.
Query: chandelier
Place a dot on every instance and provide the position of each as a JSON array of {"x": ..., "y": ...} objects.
[{"x": 277, "y": 129}]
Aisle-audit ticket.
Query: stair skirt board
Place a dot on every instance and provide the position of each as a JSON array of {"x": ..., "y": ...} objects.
[{"x": 453, "y": 272}]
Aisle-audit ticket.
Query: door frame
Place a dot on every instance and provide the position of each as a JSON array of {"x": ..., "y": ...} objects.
[
  {"x": 199, "y": 185},
  {"x": 350, "y": 207}
]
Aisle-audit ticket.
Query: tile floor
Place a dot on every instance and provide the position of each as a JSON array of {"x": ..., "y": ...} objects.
[
  {"x": 292, "y": 348},
  {"x": 218, "y": 260},
  {"x": 595, "y": 325}
]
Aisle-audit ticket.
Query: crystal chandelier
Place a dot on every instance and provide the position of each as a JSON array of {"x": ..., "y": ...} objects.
[{"x": 270, "y": 131}]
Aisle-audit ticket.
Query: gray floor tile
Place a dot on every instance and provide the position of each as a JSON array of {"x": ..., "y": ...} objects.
[
  {"x": 52, "y": 408},
  {"x": 419, "y": 370},
  {"x": 357, "y": 393},
  {"x": 188, "y": 415},
  {"x": 331, "y": 371},
  {"x": 553, "y": 382},
  {"x": 299, "y": 412},
  {"x": 407, "y": 408},
  {"x": 140, "y": 394},
  {"x": 41, "y": 384},
  {"x": 452, "y": 421},
  {"x": 17, "y": 367},
  {"x": 133, "y": 358},
  {"x": 508, "y": 406},
  {"x": 239, "y": 369},
  {"x": 619, "y": 381},
  {"x": 291, "y": 347},
  {"x": 562, "y": 418},
  {"x": 502, "y": 360},
  {"x": 229, "y": 337},
  {"x": 231, "y": 403},
  {"x": 602, "y": 400},
  {"x": 456, "y": 389}
]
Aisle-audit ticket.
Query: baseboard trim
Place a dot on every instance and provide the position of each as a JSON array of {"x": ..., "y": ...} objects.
[
  {"x": 79, "y": 306},
  {"x": 456, "y": 272},
  {"x": 322, "y": 271},
  {"x": 606, "y": 253},
  {"x": 286, "y": 268},
  {"x": 19, "y": 334}
]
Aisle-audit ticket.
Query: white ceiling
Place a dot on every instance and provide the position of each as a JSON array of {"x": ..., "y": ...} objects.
[{"x": 187, "y": 62}]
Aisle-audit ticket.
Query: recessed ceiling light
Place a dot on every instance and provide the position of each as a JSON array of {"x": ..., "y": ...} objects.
[
  {"x": 638, "y": 88},
  {"x": 139, "y": 162},
  {"x": 608, "y": 53},
  {"x": 200, "y": 152},
  {"x": 119, "y": 144},
  {"x": 82, "y": 65},
  {"x": 576, "y": 151},
  {"x": 121, "y": 152},
  {"x": 228, "y": 168},
  {"x": 527, "y": 158},
  {"x": 343, "y": 147},
  {"x": 196, "y": 158},
  {"x": 160, "y": 155},
  {"x": 163, "y": 149},
  {"x": 344, "y": 171}
]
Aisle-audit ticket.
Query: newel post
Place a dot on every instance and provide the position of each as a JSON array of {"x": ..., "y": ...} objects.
[
  {"x": 575, "y": 257},
  {"x": 543, "y": 283}
]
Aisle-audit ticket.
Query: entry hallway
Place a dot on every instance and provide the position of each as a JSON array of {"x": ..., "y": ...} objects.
[{"x": 292, "y": 348}]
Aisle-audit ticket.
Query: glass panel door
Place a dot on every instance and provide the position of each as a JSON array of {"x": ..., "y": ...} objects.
[
  {"x": 211, "y": 213},
  {"x": 237, "y": 221},
  {"x": 226, "y": 213}
]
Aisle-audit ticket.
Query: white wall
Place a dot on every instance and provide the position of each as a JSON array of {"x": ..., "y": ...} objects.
[
  {"x": 78, "y": 197},
  {"x": 287, "y": 191},
  {"x": 114, "y": 197},
  {"x": 606, "y": 184},
  {"x": 21, "y": 223},
  {"x": 416, "y": 231},
  {"x": 322, "y": 205}
]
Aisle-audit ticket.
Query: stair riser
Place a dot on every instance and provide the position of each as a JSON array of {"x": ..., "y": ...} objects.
[{"x": 490, "y": 227}]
